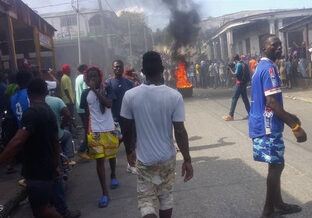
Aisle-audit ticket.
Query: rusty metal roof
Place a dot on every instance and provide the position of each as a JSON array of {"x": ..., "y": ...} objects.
[{"x": 20, "y": 11}]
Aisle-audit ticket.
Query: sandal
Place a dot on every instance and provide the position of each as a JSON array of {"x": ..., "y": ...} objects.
[
  {"x": 103, "y": 202},
  {"x": 114, "y": 183},
  {"x": 288, "y": 209}
]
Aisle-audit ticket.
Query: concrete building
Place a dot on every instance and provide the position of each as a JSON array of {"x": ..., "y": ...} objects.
[
  {"x": 244, "y": 32},
  {"x": 99, "y": 37},
  {"x": 24, "y": 35},
  {"x": 104, "y": 38}
]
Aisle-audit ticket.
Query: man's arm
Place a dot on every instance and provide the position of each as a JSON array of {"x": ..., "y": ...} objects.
[
  {"x": 183, "y": 144},
  {"x": 66, "y": 117},
  {"x": 68, "y": 96},
  {"x": 127, "y": 132},
  {"x": 291, "y": 120},
  {"x": 15, "y": 145}
]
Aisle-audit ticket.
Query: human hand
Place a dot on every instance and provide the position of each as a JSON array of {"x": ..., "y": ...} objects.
[
  {"x": 187, "y": 171},
  {"x": 132, "y": 158},
  {"x": 300, "y": 135}
]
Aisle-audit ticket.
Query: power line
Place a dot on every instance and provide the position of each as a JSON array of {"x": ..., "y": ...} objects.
[
  {"x": 110, "y": 6},
  {"x": 60, "y": 4}
]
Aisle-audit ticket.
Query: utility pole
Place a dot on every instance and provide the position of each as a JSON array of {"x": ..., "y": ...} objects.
[
  {"x": 78, "y": 25},
  {"x": 104, "y": 40},
  {"x": 130, "y": 43},
  {"x": 144, "y": 34}
]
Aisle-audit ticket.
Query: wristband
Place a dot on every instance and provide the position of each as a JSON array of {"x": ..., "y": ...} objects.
[{"x": 295, "y": 128}]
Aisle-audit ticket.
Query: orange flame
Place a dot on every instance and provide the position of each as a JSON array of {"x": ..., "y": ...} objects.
[{"x": 180, "y": 74}]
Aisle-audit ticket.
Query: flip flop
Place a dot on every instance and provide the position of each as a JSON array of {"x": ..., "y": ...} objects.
[
  {"x": 114, "y": 183},
  {"x": 288, "y": 209},
  {"x": 103, "y": 202}
]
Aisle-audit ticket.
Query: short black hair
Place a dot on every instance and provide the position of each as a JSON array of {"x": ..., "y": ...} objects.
[
  {"x": 236, "y": 57},
  {"x": 266, "y": 39},
  {"x": 82, "y": 68},
  {"x": 37, "y": 87},
  {"x": 23, "y": 78},
  {"x": 152, "y": 63},
  {"x": 118, "y": 61}
]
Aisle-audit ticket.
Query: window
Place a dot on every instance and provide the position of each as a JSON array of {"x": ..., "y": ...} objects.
[{"x": 69, "y": 20}]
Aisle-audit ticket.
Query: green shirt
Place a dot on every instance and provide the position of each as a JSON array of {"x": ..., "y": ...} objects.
[
  {"x": 80, "y": 85},
  {"x": 66, "y": 84},
  {"x": 57, "y": 105}
]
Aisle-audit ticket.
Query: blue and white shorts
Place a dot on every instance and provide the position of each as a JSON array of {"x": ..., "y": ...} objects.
[{"x": 269, "y": 148}]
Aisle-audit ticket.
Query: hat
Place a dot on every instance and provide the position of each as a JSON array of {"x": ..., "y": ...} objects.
[{"x": 66, "y": 69}]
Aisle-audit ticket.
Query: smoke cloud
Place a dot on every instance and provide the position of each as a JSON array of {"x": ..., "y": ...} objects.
[{"x": 183, "y": 26}]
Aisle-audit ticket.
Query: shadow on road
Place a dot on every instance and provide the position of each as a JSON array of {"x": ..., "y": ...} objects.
[
  {"x": 223, "y": 189},
  {"x": 220, "y": 143}
]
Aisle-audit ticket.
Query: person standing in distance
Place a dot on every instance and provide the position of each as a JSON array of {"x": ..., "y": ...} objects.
[
  {"x": 119, "y": 85},
  {"x": 155, "y": 109},
  {"x": 266, "y": 124}
]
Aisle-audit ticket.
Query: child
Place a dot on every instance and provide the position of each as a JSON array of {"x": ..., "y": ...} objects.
[{"x": 101, "y": 126}]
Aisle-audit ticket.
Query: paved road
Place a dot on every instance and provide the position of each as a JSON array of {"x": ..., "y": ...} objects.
[{"x": 227, "y": 182}]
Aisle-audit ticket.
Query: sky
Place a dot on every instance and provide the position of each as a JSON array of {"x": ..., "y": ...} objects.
[{"x": 158, "y": 15}]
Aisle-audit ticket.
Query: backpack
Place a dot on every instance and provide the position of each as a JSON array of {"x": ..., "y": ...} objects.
[{"x": 246, "y": 73}]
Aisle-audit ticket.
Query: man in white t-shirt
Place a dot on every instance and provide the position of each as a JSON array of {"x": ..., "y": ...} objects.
[{"x": 155, "y": 108}]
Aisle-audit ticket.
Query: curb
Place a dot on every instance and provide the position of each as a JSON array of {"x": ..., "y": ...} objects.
[
  {"x": 308, "y": 100},
  {"x": 11, "y": 204}
]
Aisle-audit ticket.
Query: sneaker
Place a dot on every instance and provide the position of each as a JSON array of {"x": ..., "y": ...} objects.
[
  {"x": 70, "y": 163},
  {"x": 245, "y": 118},
  {"x": 84, "y": 156},
  {"x": 228, "y": 118},
  {"x": 132, "y": 170},
  {"x": 72, "y": 214},
  {"x": 22, "y": 182}
]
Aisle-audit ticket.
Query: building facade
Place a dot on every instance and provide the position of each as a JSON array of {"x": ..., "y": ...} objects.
[{"x": 24, "y": 38}]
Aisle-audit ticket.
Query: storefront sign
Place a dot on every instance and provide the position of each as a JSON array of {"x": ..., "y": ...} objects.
[{"x": 45, "y": 40}]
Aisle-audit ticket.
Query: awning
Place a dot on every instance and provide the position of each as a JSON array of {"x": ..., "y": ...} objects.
[
  {"x": 238, "y": 24},
  {"x": 297, "y": 25}
]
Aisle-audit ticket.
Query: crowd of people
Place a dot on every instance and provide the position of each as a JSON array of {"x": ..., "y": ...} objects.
[
  {"x": 39, "y": 109},
  {"x": 216, "y": 73}
]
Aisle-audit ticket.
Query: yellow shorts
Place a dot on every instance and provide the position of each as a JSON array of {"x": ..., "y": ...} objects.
[
  {"x": 102, "y": 145},
  {"x": 155, "y": 186}
]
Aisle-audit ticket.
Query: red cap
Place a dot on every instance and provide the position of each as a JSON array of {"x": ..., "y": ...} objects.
[{"x": 66, "y": 69}]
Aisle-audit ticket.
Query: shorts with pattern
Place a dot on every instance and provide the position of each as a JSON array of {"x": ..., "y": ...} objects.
[
  {"x": 155, "y": 186},
  {"x": 269, "y": 148}
]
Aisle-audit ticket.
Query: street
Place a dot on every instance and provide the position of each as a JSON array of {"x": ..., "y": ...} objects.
[{"x": 227, "y": 182}]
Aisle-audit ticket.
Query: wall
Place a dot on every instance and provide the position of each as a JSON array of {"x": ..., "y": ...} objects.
[{"x": 251, "y": 31}]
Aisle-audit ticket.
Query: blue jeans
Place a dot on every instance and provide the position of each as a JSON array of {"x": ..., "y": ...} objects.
[
  {"x": 240, "y": 89},
  {"x": 67, "y": 144}
]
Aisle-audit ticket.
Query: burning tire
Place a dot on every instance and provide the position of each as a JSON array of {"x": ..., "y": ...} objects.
[
  {"x": 186, "y": 92},
  {"x": 183, "y": 84}
]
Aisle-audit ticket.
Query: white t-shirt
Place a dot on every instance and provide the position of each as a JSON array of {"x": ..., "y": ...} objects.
[
  {"x": 100, "y": 122},
  {"x": 153, "y": 108}
]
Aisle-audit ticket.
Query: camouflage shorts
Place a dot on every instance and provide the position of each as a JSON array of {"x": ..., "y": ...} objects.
[{"x": 155, "y": 185}]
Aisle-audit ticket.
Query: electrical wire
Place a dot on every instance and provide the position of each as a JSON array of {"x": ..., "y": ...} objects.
[{"x": 60, "y": 4}]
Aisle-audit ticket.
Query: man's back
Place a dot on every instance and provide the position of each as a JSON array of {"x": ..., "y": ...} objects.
[
  {"x": 57, "y": 105},
  {"x": 19, "y": 103},
  {"x": 39, "y": 151},
  {"x": 67, "y": 85},
  {"x": 153, "y": 109}
]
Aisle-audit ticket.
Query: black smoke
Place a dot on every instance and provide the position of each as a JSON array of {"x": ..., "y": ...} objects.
[{"x": 183, "y": 25}]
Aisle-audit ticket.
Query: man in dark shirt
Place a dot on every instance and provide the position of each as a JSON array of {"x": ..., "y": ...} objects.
[
  {"x": 118, "y": 85},
  {"x": 38, "y": 140}
]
